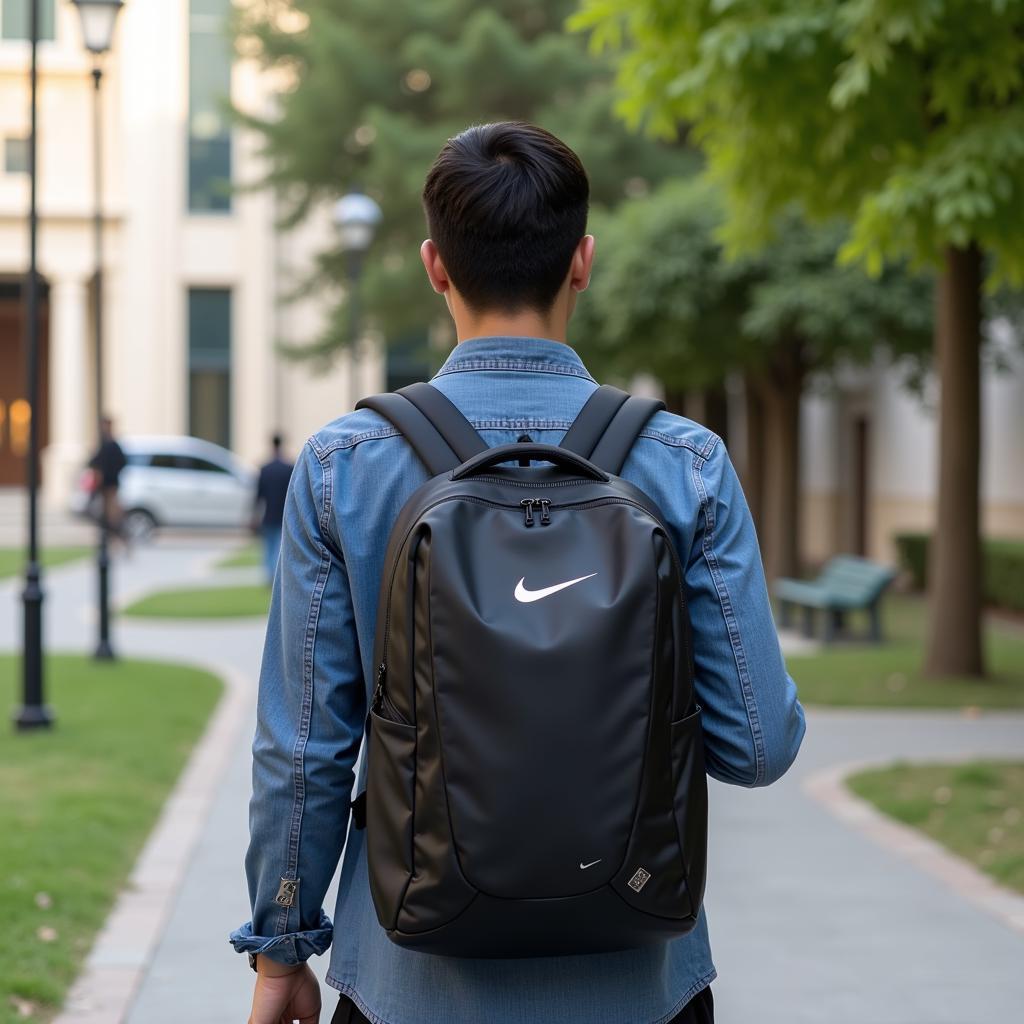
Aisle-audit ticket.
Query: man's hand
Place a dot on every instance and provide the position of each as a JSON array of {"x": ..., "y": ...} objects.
[{"x": 284, "y": 994}]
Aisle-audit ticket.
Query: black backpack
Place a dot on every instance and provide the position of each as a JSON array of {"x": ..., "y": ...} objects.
[{"x": 536, "y": 775}]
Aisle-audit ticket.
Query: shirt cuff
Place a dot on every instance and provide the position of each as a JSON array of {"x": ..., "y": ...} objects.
[{"x": 289, "y": 948}]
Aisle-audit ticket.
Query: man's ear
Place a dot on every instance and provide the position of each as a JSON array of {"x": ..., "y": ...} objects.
[
  {"x": 435, "y": 268},
  {"x": 582, "y": 262}
]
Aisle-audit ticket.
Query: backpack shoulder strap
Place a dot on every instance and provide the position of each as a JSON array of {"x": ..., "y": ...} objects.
[
  {"x": 608, "y": 425},
  {"x": 593, "y": 419},
  {"x": 446, "y": 419},
  {"x": 439, "y": 434}
]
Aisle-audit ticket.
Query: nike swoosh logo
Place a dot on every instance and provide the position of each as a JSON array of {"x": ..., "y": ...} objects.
[
  {"x": 583, "y": 867},
  {"x": 526, "y": 596}
]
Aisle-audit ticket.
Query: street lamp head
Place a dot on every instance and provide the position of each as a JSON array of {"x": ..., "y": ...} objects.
[
  {"x": 356, "y": 217},
  {"x": 98, "y": 18}
]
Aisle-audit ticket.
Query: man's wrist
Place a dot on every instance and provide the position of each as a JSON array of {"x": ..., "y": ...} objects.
[{"x": 271, "y": 968}]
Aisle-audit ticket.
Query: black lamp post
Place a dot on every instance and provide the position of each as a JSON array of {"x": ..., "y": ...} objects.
[
  {"x": 356, "y": 217},
  {"x": 98, "y": 18},
  {"x": 33, "y": 713}
]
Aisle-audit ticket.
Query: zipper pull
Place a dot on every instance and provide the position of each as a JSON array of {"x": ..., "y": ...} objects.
[
  {"x": 527, "y": 504},
  {"x": 378, "y": 690},
  {"x": 545, "y": 512}
]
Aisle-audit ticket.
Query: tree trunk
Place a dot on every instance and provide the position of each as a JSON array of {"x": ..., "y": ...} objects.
[
  {"x": 752, "y": 476},
  {"x": 709, "y": 406},
  {"x": 716, "y": 411},
  {"x": 781, "y": 391},
  {"x": 675, "y": 401},
  {"x": 954, "y": 570}
]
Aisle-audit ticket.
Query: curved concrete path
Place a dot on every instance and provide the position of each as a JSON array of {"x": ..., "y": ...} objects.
[{"x": 812, "y": 921}]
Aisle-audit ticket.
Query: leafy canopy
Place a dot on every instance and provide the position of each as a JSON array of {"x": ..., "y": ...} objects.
[
  {"x": 662, "y": 280},
  {"x": 904, "y": 116}
]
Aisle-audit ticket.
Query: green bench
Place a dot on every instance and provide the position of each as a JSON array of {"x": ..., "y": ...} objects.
[{"x": 846, "y": 584}]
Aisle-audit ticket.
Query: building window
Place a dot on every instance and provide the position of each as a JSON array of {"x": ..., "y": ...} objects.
[
  {"x": 209, "y": 131},
  {"x": 16, "y": 156},
  {"x": 209, "y": 364},
  {"x": 14, "y": 19}
]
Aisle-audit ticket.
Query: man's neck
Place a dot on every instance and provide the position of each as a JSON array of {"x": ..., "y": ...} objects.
[{"x": 516, "y": 325}]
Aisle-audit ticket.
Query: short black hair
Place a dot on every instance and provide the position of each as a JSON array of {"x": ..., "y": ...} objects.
[
  {"x": 506, "y": 206},
  {"x": 277, "y": 440}
]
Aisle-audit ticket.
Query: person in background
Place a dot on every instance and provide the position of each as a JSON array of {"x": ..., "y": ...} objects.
[
  {"x": 268, "y": 508},
  {"x": 107, "y": 463}
]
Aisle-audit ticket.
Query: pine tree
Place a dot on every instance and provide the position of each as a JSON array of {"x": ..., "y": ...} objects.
[{"x": 374, "y": 91}]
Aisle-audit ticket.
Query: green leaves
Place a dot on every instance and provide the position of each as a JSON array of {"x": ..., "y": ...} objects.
[
  {"x": 903, "y": 116},
  {"x": 965, "y": 186},
  {"x": 658, "y": 300},
  {"x": 665, "y": 299}
]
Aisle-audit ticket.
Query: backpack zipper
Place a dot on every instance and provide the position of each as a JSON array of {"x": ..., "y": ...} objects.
[
  {"x": 381, "y": 700},
  {"x": 380, "y": 692},
  {"x": 529, "y": 504},
  {"x": 573, "y": 482}
]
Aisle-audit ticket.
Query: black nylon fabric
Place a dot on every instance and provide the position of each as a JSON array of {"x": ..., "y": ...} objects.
[
  {"x": 528, "y": 793},
  {"x": 543, "y": 706}
]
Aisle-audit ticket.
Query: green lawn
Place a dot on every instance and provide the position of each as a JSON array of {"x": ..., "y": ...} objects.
[
  {"x": 976, "y": 809},
  {"x": 244, "y": 558},
  {"x": 78, "y": 802},
  {"x": 203, "y": 603},
  {"x": 12, "y": 560},
  {"x": 858, "y": 674}
]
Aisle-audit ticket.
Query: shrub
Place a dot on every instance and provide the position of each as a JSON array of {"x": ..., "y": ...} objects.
[
  {"x": 1002, "y": 568},
  {"x": 913, "y": 556},
  {"x": 1004, "y": 573}
]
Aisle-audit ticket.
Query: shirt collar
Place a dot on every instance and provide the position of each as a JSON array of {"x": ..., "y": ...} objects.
[{"x": 507, "y": 352}]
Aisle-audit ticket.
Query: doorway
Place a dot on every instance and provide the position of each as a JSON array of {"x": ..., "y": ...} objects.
[
  {"x": 860, "y": 485},
  {"x": 15, "y": 410}
]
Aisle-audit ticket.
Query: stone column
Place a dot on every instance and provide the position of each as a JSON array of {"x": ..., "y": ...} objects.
[{"x": 71, "y": 431}]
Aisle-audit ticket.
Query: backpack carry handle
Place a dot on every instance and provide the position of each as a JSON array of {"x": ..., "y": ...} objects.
[{"x": 535, "y": 452}]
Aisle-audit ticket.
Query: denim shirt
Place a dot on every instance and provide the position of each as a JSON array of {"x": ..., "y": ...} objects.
[{"x": 352, "y": 478}]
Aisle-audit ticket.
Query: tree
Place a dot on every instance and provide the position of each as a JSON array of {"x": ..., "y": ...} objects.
[
  {"x": 779, "y": 316},
  {"x": 658, "y": 291},
  {"x": 904, "y": 116},
  {"x": 372, "y": 91}
]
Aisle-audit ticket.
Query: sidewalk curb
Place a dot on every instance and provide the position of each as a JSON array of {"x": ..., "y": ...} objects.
[
  {"x": 829, "y": 788},
  {"x": 110, "y": 978}
]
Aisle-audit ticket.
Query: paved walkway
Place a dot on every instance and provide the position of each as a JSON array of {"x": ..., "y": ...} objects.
[
  {"x": 56, "y": 525},
  {"x": 811, "y": 921}
]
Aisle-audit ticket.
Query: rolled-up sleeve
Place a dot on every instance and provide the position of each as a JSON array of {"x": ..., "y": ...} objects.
[
  {"x": 753, "y": 722},
  {"x": 310, "y": 715}
]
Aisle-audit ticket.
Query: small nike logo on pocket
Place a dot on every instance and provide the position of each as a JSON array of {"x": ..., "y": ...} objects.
[
  {"x": 526, "y": 596},
  {"x": 583, "y": 867}
]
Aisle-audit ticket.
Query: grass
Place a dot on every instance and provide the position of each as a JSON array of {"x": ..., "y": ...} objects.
[
  {"x": 975, "y": 809},
  {"x": 78, "y": 802},
  {"x": 12, "y": 560},
  {"x": 889, "y": 675},
  {"x": 246, "y": 557},
  {"x": 203, "y": 603}
]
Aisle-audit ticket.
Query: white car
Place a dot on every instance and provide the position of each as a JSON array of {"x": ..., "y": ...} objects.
[{"x": 174, "y": 481}]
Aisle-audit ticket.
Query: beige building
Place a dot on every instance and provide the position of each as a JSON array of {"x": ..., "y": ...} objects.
[
  {"x": 871, "y": 462},
  {"x": 193, "y": 269},
  {"x": 194, "y": 272}
]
